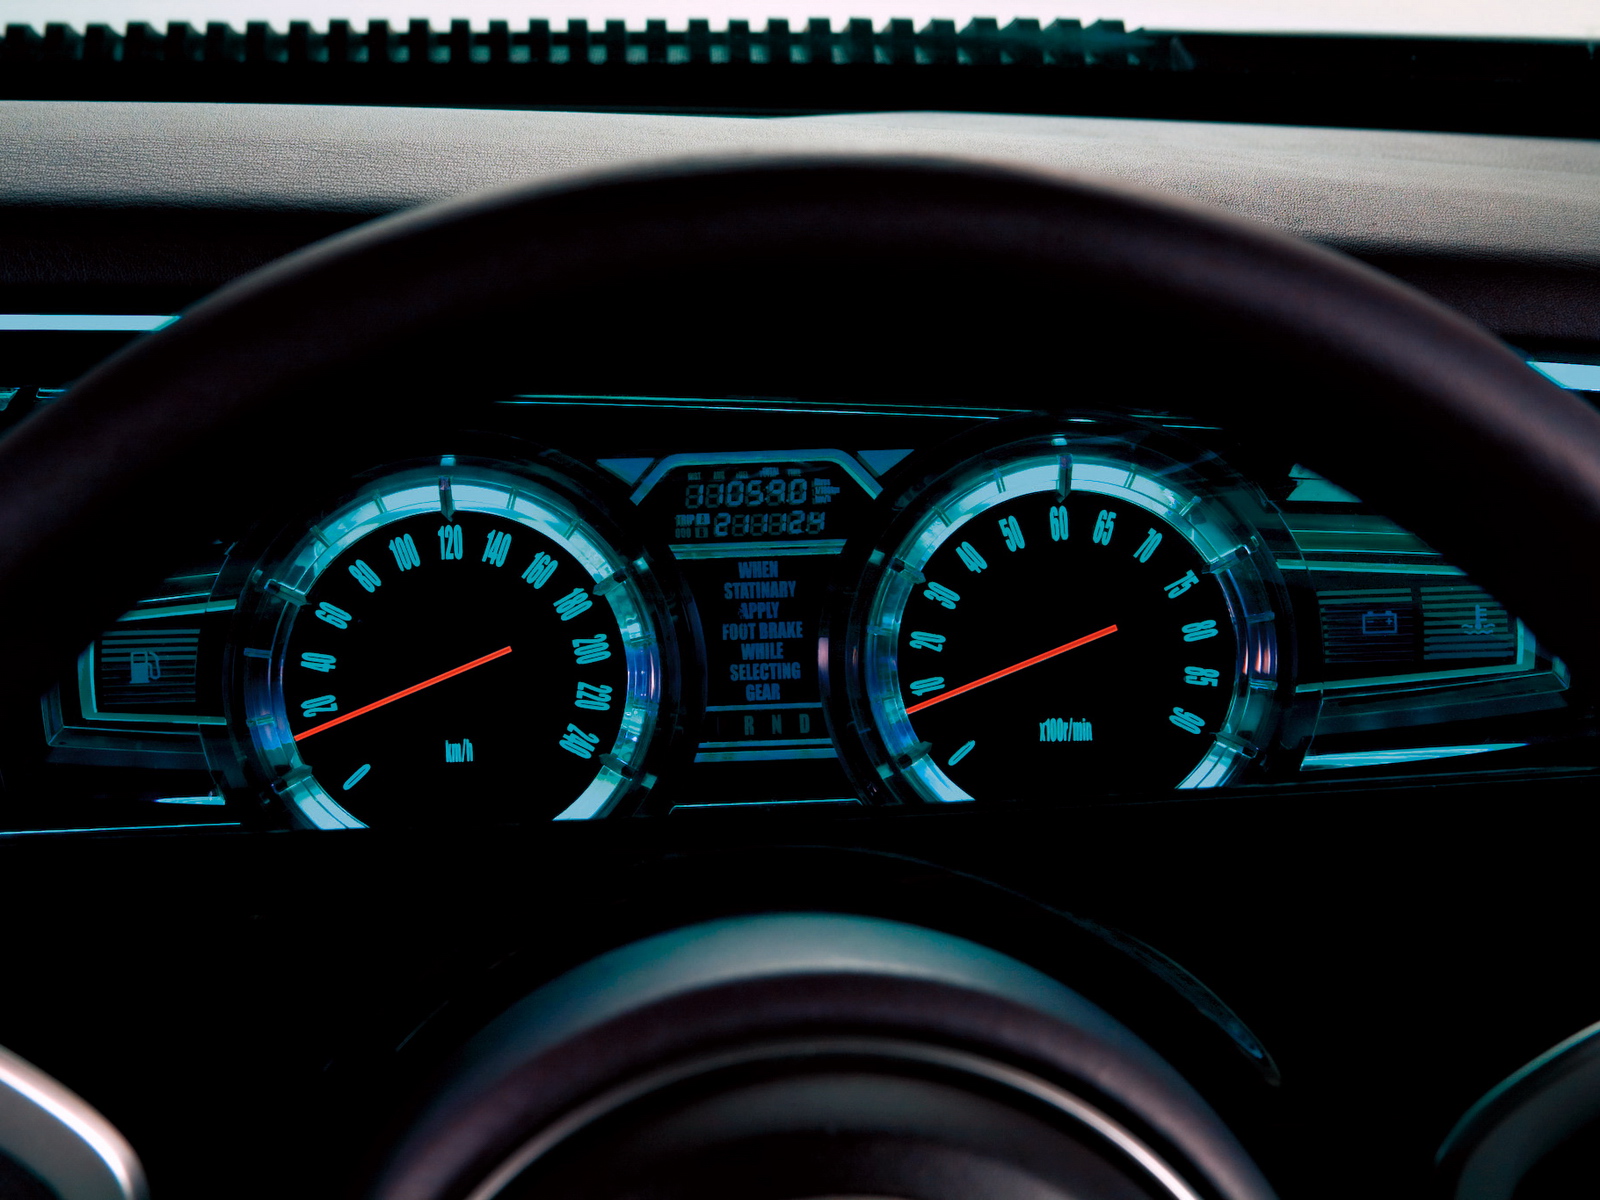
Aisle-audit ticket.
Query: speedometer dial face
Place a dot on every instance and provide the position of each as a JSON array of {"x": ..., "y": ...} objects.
[
  {"x": 455, "y": 645},
  {"x": 1063, "y": 625}
]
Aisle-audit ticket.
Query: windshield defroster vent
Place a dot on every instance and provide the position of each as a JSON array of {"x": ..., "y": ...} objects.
[
  {"x": 1024, "y": 66},
  {"x": 981, "y": 42}
]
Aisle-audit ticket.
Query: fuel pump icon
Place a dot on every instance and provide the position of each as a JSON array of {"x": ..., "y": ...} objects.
[{"x": 144, "y": 666}]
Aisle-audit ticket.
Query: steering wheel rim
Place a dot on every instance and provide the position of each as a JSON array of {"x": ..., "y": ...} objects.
[
  {"x": 793, "y": 985},
  {"x": 172, "y": 434}
]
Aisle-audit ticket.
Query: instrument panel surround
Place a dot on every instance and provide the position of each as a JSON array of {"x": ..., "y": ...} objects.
[{"x": 1281, "y": 549}]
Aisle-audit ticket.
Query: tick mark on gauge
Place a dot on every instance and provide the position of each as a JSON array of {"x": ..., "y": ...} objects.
[
  {"x": 1238, "y": 745},
  {"x": 1226, "y": 559},
  {"x": 961, "y": 753},
  {"x": 360, "y": 774},
  {"x": 912, "y": 754},
  {"x": 289, "y": 781},
  {"x": 276, "y": 587}
]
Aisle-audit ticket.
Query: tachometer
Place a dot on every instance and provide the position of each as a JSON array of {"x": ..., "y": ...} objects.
[
  {"x": 1059, "y": 617},
  {"x": 457, "y": 641}
]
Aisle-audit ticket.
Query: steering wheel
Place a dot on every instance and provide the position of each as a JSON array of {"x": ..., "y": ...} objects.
[
  {"x": 797, "y": 277},
  {"x": 809, "y": 278}
]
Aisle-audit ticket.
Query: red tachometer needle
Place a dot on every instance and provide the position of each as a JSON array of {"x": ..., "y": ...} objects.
[
  {"x": 1012, "y": 669},
  {"x": 401, "y": 695}
]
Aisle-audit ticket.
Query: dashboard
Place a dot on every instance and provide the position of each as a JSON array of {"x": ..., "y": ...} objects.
[
  {"x": 799, "y": 610},
  {"x": 1123, "y": 691}
]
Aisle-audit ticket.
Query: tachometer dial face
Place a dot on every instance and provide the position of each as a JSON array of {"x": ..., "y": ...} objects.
[
  {"x": 1057, "y": 626},
  {"x": 452, "y": 645}
]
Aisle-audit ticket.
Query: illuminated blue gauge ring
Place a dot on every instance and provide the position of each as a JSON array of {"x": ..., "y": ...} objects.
[
  {"x": 456, "y": 642},
  {"x": 1046, "y": 625}
]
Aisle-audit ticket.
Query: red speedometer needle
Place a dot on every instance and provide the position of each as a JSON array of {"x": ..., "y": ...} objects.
[
  {"x": 1012, "y": 669},
  {"x": 401, "y": 695}
]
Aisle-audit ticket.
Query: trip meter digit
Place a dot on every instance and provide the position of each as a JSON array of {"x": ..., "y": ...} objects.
[
  {"x": 1061, "y": 617},
  {"x": 457, "y": 642}
]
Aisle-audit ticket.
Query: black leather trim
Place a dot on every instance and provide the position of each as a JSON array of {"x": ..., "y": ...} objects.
[
  {"x": 739, "y": 982},
  {"x": 1520, "y": 1120}
]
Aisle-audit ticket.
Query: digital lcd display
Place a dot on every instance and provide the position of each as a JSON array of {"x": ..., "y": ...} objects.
[
  {"x": 755, "y": 501},
  {"x": 757, "y": 541}
]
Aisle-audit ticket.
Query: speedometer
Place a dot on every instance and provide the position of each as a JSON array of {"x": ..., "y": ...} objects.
[
  {"x": 457, "y": 641},
  {"x": 1065, "y": 615}
]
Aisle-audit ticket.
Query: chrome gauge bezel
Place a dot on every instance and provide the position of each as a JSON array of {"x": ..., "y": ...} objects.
[
  {"x": 1102, "y": 456},
  {"x": 273, "y": 597}
]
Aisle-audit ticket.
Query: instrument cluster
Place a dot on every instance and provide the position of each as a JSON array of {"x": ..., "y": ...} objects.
[{"x": 618, "y": 617}]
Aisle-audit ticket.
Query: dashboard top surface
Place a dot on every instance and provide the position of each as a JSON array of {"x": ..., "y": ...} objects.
[{"x": 1364, "y": 191}]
